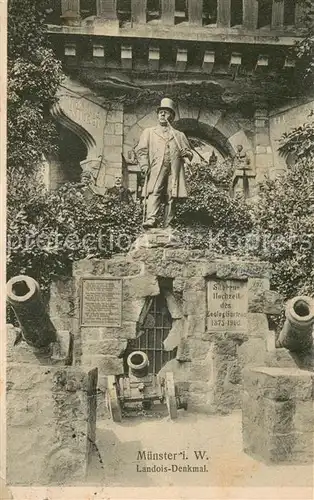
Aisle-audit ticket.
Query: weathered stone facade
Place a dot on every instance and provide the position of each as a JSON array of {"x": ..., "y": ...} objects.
[
  {"x": 111, "y": 130},
  {"x": 209, "y": 359},
  {"x": 278, "y": 417}
]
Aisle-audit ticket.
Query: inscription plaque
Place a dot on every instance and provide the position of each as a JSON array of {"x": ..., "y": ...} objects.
[
  {"x": 101, "y": 302},
  {"x": 227, "y": 306}
]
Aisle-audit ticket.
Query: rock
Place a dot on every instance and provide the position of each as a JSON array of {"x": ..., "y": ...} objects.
[
  {"x": 257, "y": 324},
  {"x": 195, "y": 326},
  {"x": 107, "y": 347},
  {"x": 87, "y": 267},
  {"x": 121, "y": 267},
  {"x": 266, "y": 301},
  {"x": 157, "y": 237},
  {"x": 140, "y": 287},
  {"x": 173, "y": 305},
  {"x": 271, "y": 432},
  {"x": 280, "y": 384},
  {"x": 183, "y": 353},
  {"x": 194, "y": 302},
  {"x": 242, "y": 270},
  {"x": 174, "y": 336}
]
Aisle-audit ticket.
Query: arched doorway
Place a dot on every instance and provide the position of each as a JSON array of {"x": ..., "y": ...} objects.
[
  {"x": 64, "y": 166},
  {"x": 203, "y": 150},
  {"x": 205, "y": 137}
]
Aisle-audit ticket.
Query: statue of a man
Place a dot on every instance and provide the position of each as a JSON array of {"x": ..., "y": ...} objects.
[{"x": 161, "y": 154}]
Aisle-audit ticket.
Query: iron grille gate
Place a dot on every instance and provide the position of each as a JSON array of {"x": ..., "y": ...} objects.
[{"x": 156, "y": 328}]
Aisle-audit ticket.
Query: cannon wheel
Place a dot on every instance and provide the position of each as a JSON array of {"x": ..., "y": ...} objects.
[
  {"x": 171, "y": 396},
  {"x": 113, "y": 400}
]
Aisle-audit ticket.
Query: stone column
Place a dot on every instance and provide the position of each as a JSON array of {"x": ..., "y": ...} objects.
[
  {"x": 111, "y": 167},
  {"x": 263, "y": 151}
]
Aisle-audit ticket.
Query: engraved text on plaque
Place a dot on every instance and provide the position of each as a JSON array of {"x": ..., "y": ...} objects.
[
  {"x": 101, "y": 302},
  {"x": 227, "y": 306}
]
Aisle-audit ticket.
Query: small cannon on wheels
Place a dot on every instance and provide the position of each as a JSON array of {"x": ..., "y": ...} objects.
[{"x": 140, "y": 386}]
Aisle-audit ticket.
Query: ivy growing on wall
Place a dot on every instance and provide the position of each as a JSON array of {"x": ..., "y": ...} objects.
[{"x": 34, "y": 75}]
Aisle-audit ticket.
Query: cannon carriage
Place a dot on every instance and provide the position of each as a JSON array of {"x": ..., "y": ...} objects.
[{"x": 140, "y": 386}]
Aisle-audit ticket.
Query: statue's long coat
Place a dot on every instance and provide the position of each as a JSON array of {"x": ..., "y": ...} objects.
[{"x": 150, "y": 152}]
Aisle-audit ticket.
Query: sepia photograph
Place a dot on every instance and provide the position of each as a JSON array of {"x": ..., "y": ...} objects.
[{"x": 158, "y": 214}]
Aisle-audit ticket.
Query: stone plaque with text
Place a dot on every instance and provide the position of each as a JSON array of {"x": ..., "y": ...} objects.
[
  {"x": 101, "y": 302},
  {"x": 227, "y": 306}
]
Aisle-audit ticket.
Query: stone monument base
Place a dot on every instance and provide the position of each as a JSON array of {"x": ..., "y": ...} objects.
[{"x": 217, "y": 304}]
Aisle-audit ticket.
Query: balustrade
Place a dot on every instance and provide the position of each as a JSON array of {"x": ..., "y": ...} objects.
[{"x": 249, "y": 15}]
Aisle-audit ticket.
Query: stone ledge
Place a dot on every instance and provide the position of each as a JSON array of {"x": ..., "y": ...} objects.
[
  {"x": 242, "y": 270},
  {"x": 280, "y": 384},
  {"x": 157, "y": 238},
  {"x": 107, "y": 365},
  {"x": 86, "y": 267},
  {"x": 107, "y": 347},
  {"x": 123, "y": 267},
  {"x": 169, "y": 269},
  {"x": 200, "y": 267}
]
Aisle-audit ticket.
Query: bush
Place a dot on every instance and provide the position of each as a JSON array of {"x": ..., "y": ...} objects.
[
  {"x": 285, "y": 218},
  {"x": 51, "y": 231},
  {"x": 212, "y": 218}
]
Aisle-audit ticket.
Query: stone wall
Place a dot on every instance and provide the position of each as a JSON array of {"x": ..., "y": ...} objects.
[
  {"x": 51, "y": 418},
  {"x": 281, "y": 121},
  {"x": 111, "y": 130},
  {"x": 226, "y": 130},
  {"x": 211, "y": 352},
  {"x": 278, "y": 417}
]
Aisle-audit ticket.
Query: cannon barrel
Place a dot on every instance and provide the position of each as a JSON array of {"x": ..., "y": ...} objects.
[
  {"x": 138, "y": 363},
  {"x": 297, "y": 332},
  {"x": 23, "y": 294}
]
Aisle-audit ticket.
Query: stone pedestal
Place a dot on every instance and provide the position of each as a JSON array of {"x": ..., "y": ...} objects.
[
  {"x": 218, "y": 307},
  {"x": 263, "y": 149},
  {"x": 278, "y": 416},
  {"x": 51, "y": 419}
]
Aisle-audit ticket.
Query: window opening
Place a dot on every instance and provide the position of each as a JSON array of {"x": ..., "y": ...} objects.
[
  {"x": 124, "y": 10},
  {"x": 236, "y": 12},
  {"x": 153, "y": 10},
  {"x": 289, "y": 13},
  {"x": 181, "y": 13},
  {"x": 264, "y": 14},
  {"x": 209, "y": 12},
  {"x": 87, "y": 8}
]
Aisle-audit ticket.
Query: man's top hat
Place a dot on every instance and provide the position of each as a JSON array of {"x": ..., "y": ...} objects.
[{"x": 167, "y": 103}]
